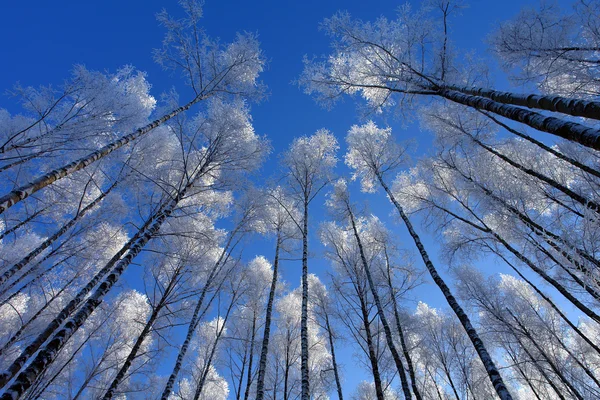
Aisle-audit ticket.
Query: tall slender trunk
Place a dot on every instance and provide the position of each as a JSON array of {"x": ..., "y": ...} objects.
[
  {"x": 565, "y": 348},
  {"x": 584, "y": 135},
  {"x": 563, "y": 105},
  {"x": 262, "y": 364},
  {"x": 195, "y": 319},
  {"x": 451, "y": 382},
  {"x": 304, "y": 316},
  {"x": 561, "y": 289},
  {"x": 249, "y": 379},
  {"x": 371, "y": 349},
  {"x": 38, "y": 250},
  {"x": 140, "y": 340},
  {"x": 517, "y": 365},
  {"x": 407, "y": 357},
  {"x": 548, "y": 236},
  {"x": 50, "y": 351},
  {"x": 286, "y": 373},
  {"x": 380, "y": 311},
  {"x": 336, "y": 374},
  {"x": 485, "y": 357},
  {"x": 485, "y": 228},
  {"x": 40, "y": 275},
  {"x": 28, "y": 189},
  {"x": 239, "y": 386},
  {"x": 213, "y": 351},
  {"x": 20, "y": 224},
  {"x": 584, "y": 285}
]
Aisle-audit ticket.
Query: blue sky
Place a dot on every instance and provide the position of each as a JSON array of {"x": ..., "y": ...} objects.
[{"x": 42, "y": 40}]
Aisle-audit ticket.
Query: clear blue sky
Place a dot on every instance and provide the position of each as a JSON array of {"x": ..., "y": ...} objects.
[{"x": 42, "y": 40}]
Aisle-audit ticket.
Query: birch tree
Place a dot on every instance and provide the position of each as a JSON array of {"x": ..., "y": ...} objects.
[
  {"x": 308, "y": 164},
  {"x": 373, "y": 154},
  {"x": 397, "y": 62}
]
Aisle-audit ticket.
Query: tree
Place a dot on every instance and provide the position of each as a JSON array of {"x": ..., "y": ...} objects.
[
  {"x": 278, "y": 214},
  {"x": 373, "y": 154},
  {"x": 398, "y": 61},
  {"x": 341, "y": 204},
  {"x": 308, "y": 163},
  {"x": 221, "y": 154},
  {"x": 211, "y": 71}
]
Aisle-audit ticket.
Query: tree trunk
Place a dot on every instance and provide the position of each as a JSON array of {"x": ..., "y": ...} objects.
[
  {"x": 213, "y": 350},
  {"x": 304, "y": 317},
  {"x": 549, "y": 149},
  {"x": 336, "y": 374},
  {"x": 372, "y": 354},
  {"x": 407, "y": 357},
  {"x": 16, "y": 366},
  {"x": 18, "y": 333},
  {"x": 262, "y": 365},
  {"x": 554, "y": 306},
  {"x": 539, "y": 368},
  {"x": 140, "y": 340},
  {"x": 553, "y": 366},
  {"x": 584, "y": 135},
  {"x": 20, "y": 224},
  {"x": 28, "y": 189},
  {"x": 194, "y": 321},
  {"x": 562, "y": 290},
  {"x": 249, "y": 379},
  {"x": 551, "y": 182},
  {"x": 380, "y": 311},
  {"x": 563, "y": 105},
  {"x": 485, "y": 357}
]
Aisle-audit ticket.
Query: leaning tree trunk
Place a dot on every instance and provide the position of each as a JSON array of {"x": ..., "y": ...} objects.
[
  {"x": 20, "y": 224},
  {"x": 409, "y": 363},
  {"x": 380, "y": 311},
  {"x": 38, "y": 250},
  {"x": 371, "y": 348},
  {"x": 48, "y": 353},
  {"x": 213, "y": 350},
  {"x": 194, "y": 321},
  {"x": 563, "y": 105},
  {"x": 561, "y": 289},
  {"x": 251, "y": 357},
  {"x": 584, "y": 135},
  {"x": 141, "y": 338},
  {"x": 336, "y": 374},
  {"x": 532, "y": 225},
  {"x": 304, "y": 316},
  {"x": 18, "y": 333},
  {"x": 262, "y": 364},
  {"x": 539, "y": 368},
  {"x": 485, "y": 357},
  {"x": 28, "y": 189}
]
